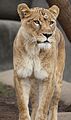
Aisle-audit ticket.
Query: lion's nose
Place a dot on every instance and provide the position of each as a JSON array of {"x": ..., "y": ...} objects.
[{"x": 47, "y": 35}]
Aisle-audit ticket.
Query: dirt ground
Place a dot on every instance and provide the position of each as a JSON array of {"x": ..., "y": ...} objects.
[{"x": 8, "y": 104}]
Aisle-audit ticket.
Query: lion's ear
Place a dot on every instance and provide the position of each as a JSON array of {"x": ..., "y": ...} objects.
[
  {"x": 54, "y": 10},
  {"x": 23, "y": 10}
]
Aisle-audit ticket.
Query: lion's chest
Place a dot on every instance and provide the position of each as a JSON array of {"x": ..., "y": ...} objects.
[{"x": 33, "y": 66}]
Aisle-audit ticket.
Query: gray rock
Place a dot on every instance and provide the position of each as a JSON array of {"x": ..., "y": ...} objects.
[
  {"x": 39, "y": 3},
  {"x": 67, "y": 71},
  {"x": 66, "y": 93},
  {"x": 8, "y": 8},
  {"x": 8, "y": 31},
  {"x": 64, "y": 116}
]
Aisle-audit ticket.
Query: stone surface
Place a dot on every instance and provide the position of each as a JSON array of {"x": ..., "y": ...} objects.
[
  {"x": 8, "y": 8},
  {"x": 6, "y": 77},
  {"x": 66, "y": 93},
  {"x": 67, "y": 71},
  {"x": 64, "y": 116},
  {"x": 8, "y": 31},
  {"x": 39, "y": 3}
]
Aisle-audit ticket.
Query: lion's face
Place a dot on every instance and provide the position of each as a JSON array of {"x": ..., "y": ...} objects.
[{"x": 39, "y": 23}]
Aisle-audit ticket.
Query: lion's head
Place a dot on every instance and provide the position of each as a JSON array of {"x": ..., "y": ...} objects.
[{"x": 38, "y": 23}]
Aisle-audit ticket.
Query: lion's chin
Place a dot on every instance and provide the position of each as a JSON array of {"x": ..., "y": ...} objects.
[{"x": 44, "y": 45}]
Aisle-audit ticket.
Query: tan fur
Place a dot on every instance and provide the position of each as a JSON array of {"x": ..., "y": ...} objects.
[{"x": 38, "y": 64}]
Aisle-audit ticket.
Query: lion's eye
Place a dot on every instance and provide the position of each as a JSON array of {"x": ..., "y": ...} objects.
[
  {"x": 51, "y": 22},
  {"x": 37, "y": 22}
]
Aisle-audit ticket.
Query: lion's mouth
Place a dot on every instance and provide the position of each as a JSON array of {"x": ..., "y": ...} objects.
[{"x": 46, "y": 41}]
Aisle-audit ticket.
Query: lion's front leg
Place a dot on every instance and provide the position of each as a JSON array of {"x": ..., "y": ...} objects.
[
  {"x": 45, "y": 98},
  {"x": 55, "y": 100},
  {"x": 34, "y": 96},
  {"x": 22, "y": 87},
  {"x": 58, "y": 80}
]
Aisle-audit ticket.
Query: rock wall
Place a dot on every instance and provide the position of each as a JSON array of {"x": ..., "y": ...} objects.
[
  {"x": 8, "y": 8},
  {"x": 8, "y": 31}
]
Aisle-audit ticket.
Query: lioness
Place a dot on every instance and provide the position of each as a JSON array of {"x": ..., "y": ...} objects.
[{"x": 38, "y": 58}]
